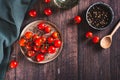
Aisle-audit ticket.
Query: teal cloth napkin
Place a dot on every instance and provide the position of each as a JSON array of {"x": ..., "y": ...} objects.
[{"x": 12, "y": 13}]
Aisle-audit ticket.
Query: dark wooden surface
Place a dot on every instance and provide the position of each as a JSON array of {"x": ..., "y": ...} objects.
[{"x": 79, "y": 59}]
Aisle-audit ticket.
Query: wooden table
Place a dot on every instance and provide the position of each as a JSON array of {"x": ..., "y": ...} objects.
[{"x": 80, "y": 59}]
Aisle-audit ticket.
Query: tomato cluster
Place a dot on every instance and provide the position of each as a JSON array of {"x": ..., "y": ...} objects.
[{"x": 37, "y": 45}]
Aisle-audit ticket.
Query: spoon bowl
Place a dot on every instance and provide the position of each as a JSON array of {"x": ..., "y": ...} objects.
[{"x": 106, "y": 42}]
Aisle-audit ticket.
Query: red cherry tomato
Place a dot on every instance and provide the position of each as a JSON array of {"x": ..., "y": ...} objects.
[
  {"x": 36, "y": 48},
  {"x": 43, "y": 50},
  {"x": 35, "y": 36},
  {"x": 40, "y": 57},
  {"x": 47, "y": 29},
  {"x": 95, "y": 39},
  {"x": 43, "y": 39},
  {"x": 77, "y": 19},
  {"x": 32, "y": 13},
  {"x": 13, "y": 64},
  {"x": 89, "y": 35},
  {"x": 31, "y": 53},
  {"x": 48, "y": 11},
  {"x": 28, "y": 46},
  {"x": 38, "y": 42},
  {"x": 41, "y": 26},
  {"x": 50, "y": 40},
  {"x": 51, "y": 49},
  {"x": 28, "y": 35},
  {"x": 22, "y": 42},
  {"x": 57, "y": 43},
  {"x": 55, "y": 35},
  {"x": 47, "y": 1}
]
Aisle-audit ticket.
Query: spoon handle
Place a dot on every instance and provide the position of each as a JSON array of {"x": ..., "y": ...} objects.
[{"x": 116, "y": 28}]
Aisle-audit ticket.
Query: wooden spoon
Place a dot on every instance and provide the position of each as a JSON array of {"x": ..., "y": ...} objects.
[{"x": 107, "y": 40}]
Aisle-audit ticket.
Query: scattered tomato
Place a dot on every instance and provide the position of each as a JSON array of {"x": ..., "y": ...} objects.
[
  {"x": 13, "y": 64},
  {"x": 50, "y": 40},
  {"x": 47, "y": 1},
  {"x": 57, "y": 43},
  {"x": 55, "y": 35},
  {"x": 32, "y": 13},
  {"x": 41, "y": 26},
  {"x": 40, "y": 57},
  {"x": 89, "y": 34},
  {"x": 47, "y": 29},
  {"x": 48, "y": 11},
  {"x": 22, "y": 42},
  {"x": 77, "y": 19},
  {"x": 51, "y": 49},
  {"x": 95, "y": 39}
]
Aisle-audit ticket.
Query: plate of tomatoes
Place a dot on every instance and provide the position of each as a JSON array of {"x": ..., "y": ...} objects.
[{"x": 41, "y": 41}]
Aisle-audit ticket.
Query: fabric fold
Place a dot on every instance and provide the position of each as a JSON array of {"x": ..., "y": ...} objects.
[{"x": 12, "y": 13}]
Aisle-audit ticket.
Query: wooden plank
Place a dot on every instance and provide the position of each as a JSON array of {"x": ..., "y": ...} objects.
[{"x": 94, "y": 62}]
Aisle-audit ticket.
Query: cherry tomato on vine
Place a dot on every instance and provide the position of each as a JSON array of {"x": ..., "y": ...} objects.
[
  {"x": 57, "y": 43},
  {"x": 51, "y": 49},
  {"x": 55, "y": 35},
  {"x": 28, "y": 35},
  {"x": 47, "y": 1},
  {"x": 47, "y": 29},
  {"x": 40, "y": 57},
  {"x": 41, "y": 26},
  {"x": 22, "y": 42},
  {"x": 50, "y": 40},
  {"x": 38, "y": 42},
  {"x": 31, "y": 53}
]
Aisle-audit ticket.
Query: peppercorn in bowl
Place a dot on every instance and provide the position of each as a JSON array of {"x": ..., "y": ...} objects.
[{"x": 99, "y": 15}]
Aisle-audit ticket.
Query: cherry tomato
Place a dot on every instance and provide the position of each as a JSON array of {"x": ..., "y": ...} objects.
[
  {"x": 57, "y": 43},
  {"x": 43, "y": 39},
  {"x": 22, "y": 42},
  {"x": 28, "y": 46},
  {"x": 43, "y": 50},
  {"x": 48, "y": 11},
  {"x": 77, "y": 19},
  {"x": 28, "y": 35},
  {"x": 89, "y": 35},
  {"x": 50, "y": 40},
  {"x": 47, "y": 1},
  {"x": 13, "y": 64},
  {"x": 51, "y": 49},
  {"x": 40, "y": 57},
  {"x": 32, "y": 13},
  {"x": 55, "y": 35},
  {"x": 47, "y": 29},
  {"x": 95, "y": 39},
  {"x": 31, "y": 53},
  {"x": 36, "y": 48},
  {"x": 38, "y": 42},
  {"x": 41, "y": 26},
  {"x": 35, "y": 36}
]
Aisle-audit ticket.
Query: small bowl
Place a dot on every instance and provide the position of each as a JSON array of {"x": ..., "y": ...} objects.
[
  {"x": 99, "y": 15},
  {"x": 32, "y": 27}
]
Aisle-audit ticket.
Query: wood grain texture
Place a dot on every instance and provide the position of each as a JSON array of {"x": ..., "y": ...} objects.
[{"x": 80, "y": 59}]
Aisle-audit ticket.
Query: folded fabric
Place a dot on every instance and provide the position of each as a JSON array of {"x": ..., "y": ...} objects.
[{"x": 12, "y": 13}]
